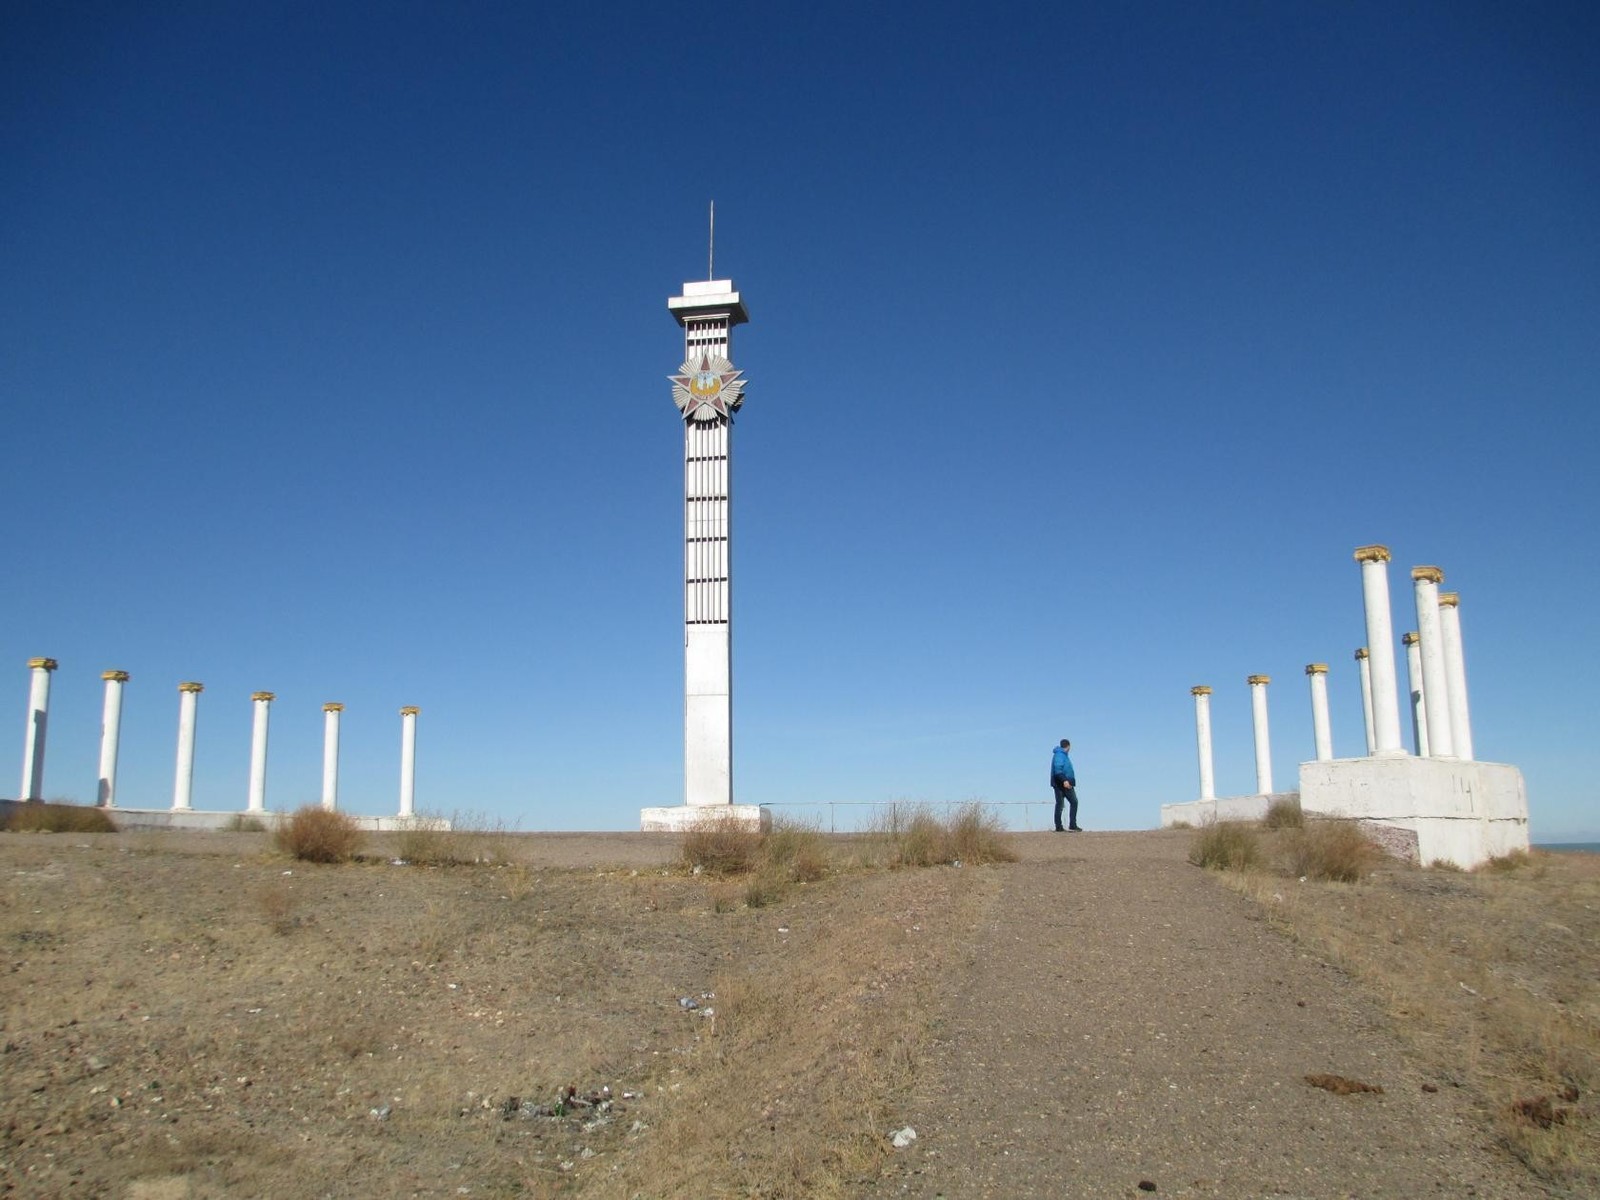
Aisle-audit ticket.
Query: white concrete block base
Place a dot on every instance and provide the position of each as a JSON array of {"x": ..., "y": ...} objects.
[
  {"x": 1460, "y": 812},
  {"x": 1224, "y": 808},
  {"x": 681, "y": 818}
]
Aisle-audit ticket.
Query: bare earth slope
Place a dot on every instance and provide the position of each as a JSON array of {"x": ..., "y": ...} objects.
[{"x": 1126, "y": 1022}]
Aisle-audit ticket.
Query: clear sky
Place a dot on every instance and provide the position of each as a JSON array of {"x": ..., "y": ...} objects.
[{"x": 1086, "y": 343}]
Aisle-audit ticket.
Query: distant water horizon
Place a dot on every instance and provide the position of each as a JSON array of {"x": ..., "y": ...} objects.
[{"x": 1569, "y": 847}]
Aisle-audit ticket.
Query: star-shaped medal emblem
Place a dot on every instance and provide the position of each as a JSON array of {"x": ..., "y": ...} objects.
[{"x": 708, "y": 390}]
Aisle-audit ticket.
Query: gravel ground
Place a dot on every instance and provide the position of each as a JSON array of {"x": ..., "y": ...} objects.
[{"x": 1129, "y": 1027}]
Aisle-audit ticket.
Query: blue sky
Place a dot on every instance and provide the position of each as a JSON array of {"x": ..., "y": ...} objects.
[{"x": 1086, "y": 343}]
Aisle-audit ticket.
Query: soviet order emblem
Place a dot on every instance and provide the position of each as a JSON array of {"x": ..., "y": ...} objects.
[{"x": 708, "y": 390}]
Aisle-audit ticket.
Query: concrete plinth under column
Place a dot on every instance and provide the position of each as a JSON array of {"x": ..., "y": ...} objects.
[
  {"x": 1460, "y": 812},
  {"x": 681, "y": 818}
]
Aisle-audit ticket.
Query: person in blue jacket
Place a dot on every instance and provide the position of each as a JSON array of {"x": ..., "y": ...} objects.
[{"x": 1064, "y": 782}]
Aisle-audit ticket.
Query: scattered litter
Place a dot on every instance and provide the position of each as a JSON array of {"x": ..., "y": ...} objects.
[
  {"x": 380, "y": 1114},
  {"x": 288, "y": 872},
  {"x": 783, "y": 929},
  {"x": 688, "y": 1003},
  {"x": 1147, "y": 1185},
  {"x": 1469, "y": 991},
  {"x": 398, "y": 862},
  {"x": 901, "y": 1138}
]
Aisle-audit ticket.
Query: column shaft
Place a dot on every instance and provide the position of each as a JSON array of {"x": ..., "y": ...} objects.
[
  {"x": 183, "y": 783},
  {"x": 1202, "y": 737},
  {"x": 110, "y": 736},
  {"x": 1364, "y": 668},
  {"x": 1258, "y": 711},
  {"x": 1425, "y": 582},
  {"x": 1419, "y": 702},
  {"x": 38, "y": 721},
  {"x": 408, "y": 761},
  {"x": 1455, "y": 673},
  {"x": 1321, "y": 729},
  {"x": 262, "y": 702},
  {"x": 330, "y": 755},
  {"x": 1374, "y": 562}
]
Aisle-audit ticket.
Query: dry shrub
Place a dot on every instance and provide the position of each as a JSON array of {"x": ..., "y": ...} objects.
[
  {"x": 1445, "y": 864},
  {"x": 796, "y": 850},
  {"x": 977, "y": 836},
  {"x": 1226, "y": 846},
  {"x": 1333, "y": 850},
  {"x": 1284, "y": 813},
  {"x": 315, "y": 834},
  {"x": 277, "y": 904},
  {"x": 923, "y": 842},
  {"x": 721, "y": 846},
  {"x": 427, "y": 843},
  {"x": 56, "y": 817}
]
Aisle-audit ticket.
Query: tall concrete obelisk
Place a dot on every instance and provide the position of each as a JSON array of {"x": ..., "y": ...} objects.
[{"x": 708, "y": 390}]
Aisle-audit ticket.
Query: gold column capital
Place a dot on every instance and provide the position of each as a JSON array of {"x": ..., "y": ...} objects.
[
  {"x": 1372, "y": 554},
  {"x": 1361, "y": 652},
  {"x": 1410, "y": 639},
  {"x": 1316, "y": 668},
  {"x": 1255, "y": 679},
  {"x": 42, "y": 664},
  {"x": 1427, "y": 574},
  {"x": 410, "y": 710},
  {"x": 332, "y": 706},
  {"x": 1449, "y": 599},
  {"x": 115, "y": 676},
  {"x": 1200, "y": 690},
  {"x": 267, "y": 696},
  {"x": 191, "y": 686}
]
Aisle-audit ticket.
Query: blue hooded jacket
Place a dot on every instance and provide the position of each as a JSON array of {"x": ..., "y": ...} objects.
[{"x": 1061, "y": 767}]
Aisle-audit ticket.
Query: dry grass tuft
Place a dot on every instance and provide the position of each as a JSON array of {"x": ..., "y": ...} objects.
[
  {"x": 315, "y": 834},
  {"x": 1341, "y": 1085},
  {"x": 1330, "y": 849},
  {"x": 245, "y": 823},
  {"x": 56, "y": 817},
  {"x": 1504, "y": 864},
  {"x": 277, "y": 904},
  {"x": 913, "y": 836},
  {"x": 1227, "y": 846},
  {"x": 796, "y": 849},
  {"x": 1284, "y": 814}
]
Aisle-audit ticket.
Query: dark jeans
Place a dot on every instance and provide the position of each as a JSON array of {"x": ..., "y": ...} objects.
[{"x": 1069, "y": 793}]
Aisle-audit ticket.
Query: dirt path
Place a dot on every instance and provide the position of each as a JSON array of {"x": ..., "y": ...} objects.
[{"x": 1127, "y": 1022}]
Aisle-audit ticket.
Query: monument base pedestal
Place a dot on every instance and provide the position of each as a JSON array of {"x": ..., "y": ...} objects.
[{"x": 683, "y": 817}]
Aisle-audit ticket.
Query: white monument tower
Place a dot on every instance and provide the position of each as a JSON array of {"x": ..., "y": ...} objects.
[{"x": 708, "y": 390}]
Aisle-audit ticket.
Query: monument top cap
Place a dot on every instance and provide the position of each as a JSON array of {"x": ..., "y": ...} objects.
[
  {"x": 1316, "y": 668},
  {"x": 709, "y": 296},
  {"x": 1410, "y": 639},
  {"x": 1372, "y": 554},
  {"x": 1361, "y": 652},
  {"x": 115, "y": 676},
  {"x": 1200, "y": 689},
  {"x": 1449, "y": 599},
  {"x": 1259, "y": 679},
  {"x": 267, "y": 696},
  {"x": 1427, "y": 575}
]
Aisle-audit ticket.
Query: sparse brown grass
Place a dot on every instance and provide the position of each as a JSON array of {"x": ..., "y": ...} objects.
[
  {"x": 316, "y": 834},
  {"x": 721, "y": 846},
  {"x": 1227, "y": 846},
  {"x": 915, "y": 836},
  {"x": 1490, "y": 976},
  {"x": 57, "y": 817}
]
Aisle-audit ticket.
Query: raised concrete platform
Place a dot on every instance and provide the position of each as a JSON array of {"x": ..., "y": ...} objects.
[
  {"x": 167, "y": 818},
  {"x": 683, "y": 817},
  {"x": 1224, "y": 808},
  {"x": 1461, "y": 812}
]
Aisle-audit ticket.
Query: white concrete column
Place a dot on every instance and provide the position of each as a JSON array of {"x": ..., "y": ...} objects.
[
  {"x": 1258, "y": 710},
  {"x": 1364, "y": 669},
  {"x": 1425, "y": 582},
  {"x": 408, "y": 760},
  {"x": 1419, "y": 702},
  {"x": 1455, "y": 673},
  {"x": 330, "y": 755},
  {"x": 1202, "y": 737},
  {"x": 38, "y": 720},
  {"x": 1374, "y": 562},
  {"x": 1321, "y": 730},
  {"x": 183, "y": 785},
  {"x": 262, "y": 702},
  {"x": 110, "y": 735}
]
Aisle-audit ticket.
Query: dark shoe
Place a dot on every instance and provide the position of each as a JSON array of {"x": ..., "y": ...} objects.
[
  {"x": 1059, "y": 829},
  {"x": 1074, "y": 828}
]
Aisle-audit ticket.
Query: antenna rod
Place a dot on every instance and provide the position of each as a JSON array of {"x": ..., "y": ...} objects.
[{"x": 711, "y": 251}]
